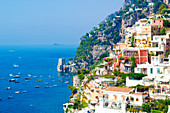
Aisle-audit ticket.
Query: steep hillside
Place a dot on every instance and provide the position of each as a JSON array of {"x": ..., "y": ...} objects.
[{"x": 112, "y": 30}]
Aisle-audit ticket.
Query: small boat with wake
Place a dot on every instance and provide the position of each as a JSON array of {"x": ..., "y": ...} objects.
[
  {"x": 24, "y": 91},
  {"x": 16, "y": 76},
  {"x": 10, "y": 97},
  {"x": 12, "y": 80},
  {"x": 29, "y": 75},
  {"x": 17, "y": 92},
  {"x": 46, "y": 86},
  {"x": 27, "y": 78},
  {"x": 10, "y": 75},
  {"x": 16, "y": 81},
  {"x": 54, "y": 85},
  {"x": 67, "y": 82},
  {"x": 8, "y": 88},
  {"x": 37, "y": 86},
  {"x": 15, "y": 65}
]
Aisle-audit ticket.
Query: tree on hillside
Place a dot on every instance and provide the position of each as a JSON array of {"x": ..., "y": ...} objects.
[
  {"x": 132, "y": 41},
  {"x": 161, "y": 8}
]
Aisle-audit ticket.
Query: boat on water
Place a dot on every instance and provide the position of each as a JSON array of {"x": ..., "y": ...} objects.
[
  {"x": 39, "y": 80},
  {"x": 19, "y": 73},
  {"x": 34, "y": 76},
  {"x": 46, "y": 83},
  {"x": 8, "y": 88},
  {"x": 60, "y": 80},
  {"x": 17, "y": 92},
  {"x": 15, "y": 65},
  {"x": 37, "y": 86},
  {"x": 16, "y": 81},
  {"x": 24, "y": 91},
  {"x": 10, "y": 97},
  {"x": 54, "y": 85},
  {"x": 17, "y": 76},
  {"x": 66, "y": 82},
  {"x": 29, "y": 75},
  {"x": 10, "y": 75},
  {"x": 46, "y": 86},
  {"x": 12, "y": 80},
  {"x": 31, "y": 105},
  {"x": 27, "y": 78}
]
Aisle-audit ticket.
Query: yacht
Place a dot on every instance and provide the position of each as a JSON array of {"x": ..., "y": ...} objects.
[
  {"x": 12, "y": 80},
  {"x": 8, "y": 88},
  {"x": 54, "y": 85},
  {"x": 24, "y": 91},
  {"x": 46, "y": 86},
  {"x": 17, "y": 76},
  {"x": 37, "y": 86},
  {"x": 66, "y": 82},
  {"x": 15, "y": 65},
  {"x": 27, "y": 78},
  {"x": 29, "y": 75},
  {"x": 10, "y": 75},
  {"x": 17, "y": 92},
  {"x": 10, "y": 97}
]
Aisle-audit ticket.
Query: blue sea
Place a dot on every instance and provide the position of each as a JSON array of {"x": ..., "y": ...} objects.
[{"x": 41, "y": 63}]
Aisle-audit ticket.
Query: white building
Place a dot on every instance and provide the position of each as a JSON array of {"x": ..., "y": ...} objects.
[{"x": 115, "y": 99}]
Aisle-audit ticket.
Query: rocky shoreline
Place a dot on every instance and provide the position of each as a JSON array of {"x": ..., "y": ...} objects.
[{"x": 66, "y": 67}]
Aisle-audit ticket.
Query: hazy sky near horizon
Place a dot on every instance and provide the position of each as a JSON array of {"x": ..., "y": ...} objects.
[{"x": 51, "y": 21}]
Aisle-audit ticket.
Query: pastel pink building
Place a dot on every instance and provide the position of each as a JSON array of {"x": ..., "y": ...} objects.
[{"x": 157, "y": 22}]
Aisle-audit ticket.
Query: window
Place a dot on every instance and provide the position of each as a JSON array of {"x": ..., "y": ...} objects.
[
  {"x": 115, "y": 97},
  {"x": 124, "y": 98},
  {"x": 137, "y": 99},
  {"x": 162, "y": 39},
  {"x": 156, "y": 59},
  {"x": 132, "y": 99},
  {"x": 154, "y": 21},
  {"x": 151, "y": 70},
  {"x": 158, "y": 70},
  {"x": 137, "y": 69}
]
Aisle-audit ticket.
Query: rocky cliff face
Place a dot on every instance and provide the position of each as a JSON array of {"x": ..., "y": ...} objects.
[
  {"x": 98, "y": 50},
  {"x": 65, "y": 67}
]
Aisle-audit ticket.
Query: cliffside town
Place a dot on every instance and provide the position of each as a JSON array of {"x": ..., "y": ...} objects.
[{"x": 134, "y": 75}]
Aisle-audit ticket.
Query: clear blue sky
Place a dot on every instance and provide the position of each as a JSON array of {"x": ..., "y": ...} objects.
[{"x": 51, "y": 21}]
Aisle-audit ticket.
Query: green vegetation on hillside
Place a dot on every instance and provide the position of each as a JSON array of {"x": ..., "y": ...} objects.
[{"x": 105, "y": 30}]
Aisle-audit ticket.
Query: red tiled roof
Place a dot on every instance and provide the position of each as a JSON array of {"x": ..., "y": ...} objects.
[{"x": 119, "y": 89}]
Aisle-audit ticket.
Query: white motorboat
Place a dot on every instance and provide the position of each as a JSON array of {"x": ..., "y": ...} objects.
[
  {"x": 15, "y": 65},
  {"x": 17, "y": 92},
  {"x": 67, "y": 82},
  {"x": 8, "y": 88},
  {"x": 10, "y": 75}
]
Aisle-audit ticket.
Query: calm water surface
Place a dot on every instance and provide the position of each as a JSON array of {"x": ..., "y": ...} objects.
[{"x": 41, "y": 63}]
